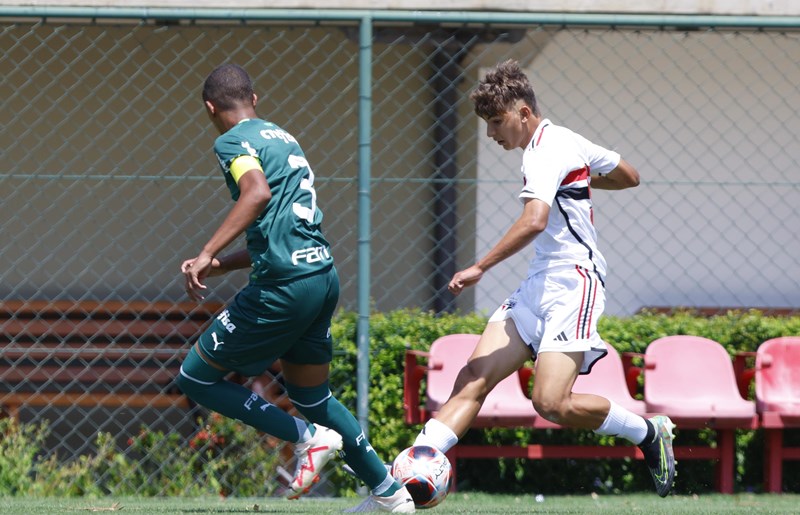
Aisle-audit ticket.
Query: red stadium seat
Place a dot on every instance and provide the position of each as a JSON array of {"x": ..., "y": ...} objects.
[
  {"x": 692, "y": 380},
  {"x": 692, "y": 394},
  {"x": 507, "y": 401},
  {"x": 777, "y": 384}
]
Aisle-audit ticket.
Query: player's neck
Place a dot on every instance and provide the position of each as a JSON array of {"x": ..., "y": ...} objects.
[
  {"x": 233, "y": 117},
  {"x": 530, "y": 130}
]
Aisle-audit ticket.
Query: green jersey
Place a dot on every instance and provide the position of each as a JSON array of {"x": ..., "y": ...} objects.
[{"x": 285, "y": 241}]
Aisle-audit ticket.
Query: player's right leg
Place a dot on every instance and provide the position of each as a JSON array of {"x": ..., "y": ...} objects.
[
  {"x": 203, "y": 382},
  {"x": 499, "y": 353}
]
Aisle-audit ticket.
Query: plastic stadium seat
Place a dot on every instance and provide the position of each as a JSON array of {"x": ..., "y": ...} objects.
[
  {"x": 692, "y": 380},
  {"x": 448, "y": 355},
  {"x": 777, "y": 381}
]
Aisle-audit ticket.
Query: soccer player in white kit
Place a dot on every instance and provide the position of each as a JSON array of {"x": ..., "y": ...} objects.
[{"x": 553, "y": 314}]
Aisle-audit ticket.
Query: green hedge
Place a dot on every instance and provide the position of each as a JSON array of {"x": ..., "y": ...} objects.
[{"x": 223, "y": 457}]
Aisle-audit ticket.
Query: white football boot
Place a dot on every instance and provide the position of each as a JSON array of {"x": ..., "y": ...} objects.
[
  {"x": 311, "y": 456},
  {"x": 398, "y": 502}
]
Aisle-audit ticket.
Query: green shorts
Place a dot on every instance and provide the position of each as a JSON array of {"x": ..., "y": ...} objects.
[{"x": 290, "y": 321}]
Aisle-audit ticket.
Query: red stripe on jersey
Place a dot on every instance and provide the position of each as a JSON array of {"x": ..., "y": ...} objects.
[
  {"x": 540, "y": 135},
  {"x": 576, "y": 175}
]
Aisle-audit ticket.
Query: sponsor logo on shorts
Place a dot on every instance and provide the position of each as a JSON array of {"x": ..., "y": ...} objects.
[
  {"x": 311, "y": 255},
  {"x": 225, "y": 318}
]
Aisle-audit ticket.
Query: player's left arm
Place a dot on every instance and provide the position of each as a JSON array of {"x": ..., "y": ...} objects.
[{"x": 623, "y": 176}]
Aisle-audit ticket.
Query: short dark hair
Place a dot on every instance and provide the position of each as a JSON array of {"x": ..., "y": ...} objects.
[
  {"x": 503, "y": 85},
  {"x": 227, "y": 86}
]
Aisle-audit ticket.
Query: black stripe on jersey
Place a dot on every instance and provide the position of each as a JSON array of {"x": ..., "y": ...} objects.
[
  {"x": 578, "y": 238},
  {"x": 583, "y": 325},
  {"x": 574, "y": 193}
]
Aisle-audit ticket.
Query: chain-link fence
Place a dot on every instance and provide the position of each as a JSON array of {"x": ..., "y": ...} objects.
[{"x": 108, "y": 180}]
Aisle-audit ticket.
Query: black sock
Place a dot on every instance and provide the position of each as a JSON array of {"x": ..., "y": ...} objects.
[{"x": 651, "y": 434}]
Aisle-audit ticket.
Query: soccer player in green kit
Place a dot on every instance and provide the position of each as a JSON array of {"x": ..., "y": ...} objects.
[{"x": 284, "y": 313}]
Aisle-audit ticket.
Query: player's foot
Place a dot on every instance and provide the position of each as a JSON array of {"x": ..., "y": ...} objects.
[
  {"x": 658, "y": 455},
  {"x": 398, "y": 502},
  {"x": 311, "y": 457}
]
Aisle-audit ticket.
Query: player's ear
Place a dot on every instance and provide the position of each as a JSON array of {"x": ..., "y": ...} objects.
[
  {"x": 525, "y": 112},
  {"x": 255, "y": 99},
  {"x": 210, "y": 108}
]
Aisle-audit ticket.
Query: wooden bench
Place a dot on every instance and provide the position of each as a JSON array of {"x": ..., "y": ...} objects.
[
  {"x": 614, "y": 377},
  {"x": 88, "y": 353}
]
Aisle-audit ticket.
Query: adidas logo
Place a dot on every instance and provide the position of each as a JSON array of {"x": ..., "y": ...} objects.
[{"x": 562, "y": 337}]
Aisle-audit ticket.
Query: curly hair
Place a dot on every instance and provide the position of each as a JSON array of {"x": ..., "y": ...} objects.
[
  {"x": 227, "y": 86},
  {"x": 503, "y": 85}
]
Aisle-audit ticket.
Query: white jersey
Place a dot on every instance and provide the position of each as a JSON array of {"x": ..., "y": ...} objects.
[{"x": 555, "y": 168}]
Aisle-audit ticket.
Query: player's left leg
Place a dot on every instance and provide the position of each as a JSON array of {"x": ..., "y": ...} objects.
[
  {"x": 553, "y": 399},
  {"x": 318, "y": 404},
  {"x": 572, "y": 301},
  {"x": 552, "y": 392},
  {"x": 305, "y": 368}
]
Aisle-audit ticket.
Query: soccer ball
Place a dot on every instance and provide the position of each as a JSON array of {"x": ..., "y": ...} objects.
[{"x": 425, "y": 472}]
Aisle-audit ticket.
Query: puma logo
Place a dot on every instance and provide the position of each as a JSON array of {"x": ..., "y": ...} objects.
[{"x": 217, "y": 343}]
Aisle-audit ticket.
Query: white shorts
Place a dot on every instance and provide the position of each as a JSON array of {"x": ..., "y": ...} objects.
[{"x": 557, "y": 311}]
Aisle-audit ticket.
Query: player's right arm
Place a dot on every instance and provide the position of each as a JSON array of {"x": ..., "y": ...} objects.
[
  {"x": 230, "y": 262},
  {"x": 528, "y": 226}
]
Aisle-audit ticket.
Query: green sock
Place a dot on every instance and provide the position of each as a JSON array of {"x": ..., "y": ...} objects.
[
  {"x": 204, "y": 385},
  {"x": 318, "y": 405}
]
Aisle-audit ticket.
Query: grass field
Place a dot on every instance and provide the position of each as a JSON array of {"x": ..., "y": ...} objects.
[{"x": 647, "y": 504}]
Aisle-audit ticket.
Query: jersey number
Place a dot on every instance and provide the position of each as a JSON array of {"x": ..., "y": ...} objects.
[{"x": 304, "y": 212}]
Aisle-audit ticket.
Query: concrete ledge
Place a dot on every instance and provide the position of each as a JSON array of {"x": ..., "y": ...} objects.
[{"x": 703, "y": 7}]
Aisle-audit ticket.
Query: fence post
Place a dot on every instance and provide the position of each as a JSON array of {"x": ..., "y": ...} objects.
[{"x": 364, "y": 208}]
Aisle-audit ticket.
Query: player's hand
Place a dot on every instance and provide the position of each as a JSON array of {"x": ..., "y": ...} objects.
[
  {"x": 464, "y": 278},
  {"x": 194, "y": 273},
  {"x": 216, "y": 268}
]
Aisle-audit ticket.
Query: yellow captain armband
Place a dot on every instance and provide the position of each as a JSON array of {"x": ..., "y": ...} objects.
[{"x": 242, "y": 165}]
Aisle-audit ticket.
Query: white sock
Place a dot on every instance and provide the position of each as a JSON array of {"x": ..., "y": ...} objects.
[
  {"x": 621, "y": 422},
  {"x": 436, "y": 434},
  {"x": 302, "y": 430}
]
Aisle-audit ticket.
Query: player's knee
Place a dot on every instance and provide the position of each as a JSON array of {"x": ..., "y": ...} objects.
[
  {"x": 310, "y": 401},
  {"x": 191, "y": 388},
  {"x": 552, "y": 408}
]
